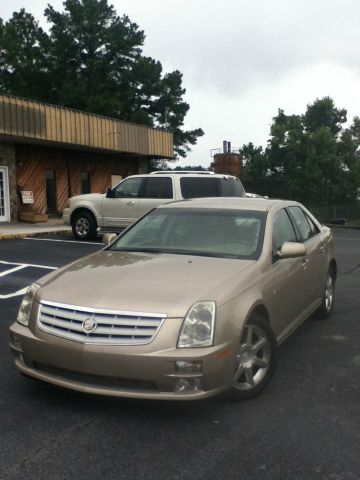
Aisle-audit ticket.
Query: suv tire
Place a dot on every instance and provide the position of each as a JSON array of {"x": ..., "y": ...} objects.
[{"x": 84, "y": 226}]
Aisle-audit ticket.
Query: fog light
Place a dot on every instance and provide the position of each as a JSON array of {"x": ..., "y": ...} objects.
[
  {"x": 16, "y": 342},
  {"x": 186, "y": 366},
  {"x": 187, "y": 384}
]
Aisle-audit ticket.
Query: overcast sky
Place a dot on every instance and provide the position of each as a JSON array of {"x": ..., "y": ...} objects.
[{"x": 242, "y": 60}]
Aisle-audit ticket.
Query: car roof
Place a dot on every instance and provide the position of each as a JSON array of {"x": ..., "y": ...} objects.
[{"x": 242, "y": 203}]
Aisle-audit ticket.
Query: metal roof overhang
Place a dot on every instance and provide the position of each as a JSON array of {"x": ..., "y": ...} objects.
[{"x": 27, "y": 121}]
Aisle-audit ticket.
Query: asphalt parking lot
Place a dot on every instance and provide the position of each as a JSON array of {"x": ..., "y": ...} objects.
[{"x": 305, "y": 426}]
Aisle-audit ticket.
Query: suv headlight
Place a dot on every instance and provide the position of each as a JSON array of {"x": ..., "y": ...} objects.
[
  {"x": 26, "y": 304},
  {"x": 198, "y": 326}
]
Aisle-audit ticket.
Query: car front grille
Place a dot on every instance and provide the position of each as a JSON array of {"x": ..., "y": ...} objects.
[{"x": 98, "y": 326}]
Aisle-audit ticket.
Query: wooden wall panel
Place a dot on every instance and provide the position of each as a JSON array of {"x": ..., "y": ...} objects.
[{"x": 33, "y": 162}]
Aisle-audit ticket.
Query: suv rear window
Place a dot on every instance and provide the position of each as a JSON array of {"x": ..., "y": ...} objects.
[{"x": 195, "y": 187}]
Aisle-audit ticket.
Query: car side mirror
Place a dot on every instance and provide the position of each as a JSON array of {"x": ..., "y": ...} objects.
[
  {"x": 291, "y": 250},
  {"x": 109, "y": 193},
  {"x": 108, "y": 238}
]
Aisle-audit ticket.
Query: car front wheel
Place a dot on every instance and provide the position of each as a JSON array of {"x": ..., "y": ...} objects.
[
  {"x": 256, "y": 359},
  {"x": 84, "y": 226}
]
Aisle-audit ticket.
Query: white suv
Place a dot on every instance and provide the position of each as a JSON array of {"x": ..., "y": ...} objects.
[{"x": 136, "y": 195}]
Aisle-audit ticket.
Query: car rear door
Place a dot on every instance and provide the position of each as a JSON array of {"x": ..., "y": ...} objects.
[{"x": 316, "y": 253}]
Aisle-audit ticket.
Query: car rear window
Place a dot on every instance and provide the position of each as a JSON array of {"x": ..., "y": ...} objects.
[{"x": 195, "y": 187}]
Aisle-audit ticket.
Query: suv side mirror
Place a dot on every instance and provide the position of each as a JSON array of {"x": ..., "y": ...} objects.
[{"x": 109, "y": 193}]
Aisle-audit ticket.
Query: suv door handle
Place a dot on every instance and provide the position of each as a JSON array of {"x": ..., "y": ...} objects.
[
  {"x": 130, "y": 202},
  {"x": 322, "y": 248}
]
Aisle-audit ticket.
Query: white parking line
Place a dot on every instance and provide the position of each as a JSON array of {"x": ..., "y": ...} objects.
[
  {"x": 28, "y": 265},
  {"x": 15, "y": 294},
  {"x": 12, "y": 270},
  {"x": 63, "y": 241},
  {"x": 16, "y": 268}
]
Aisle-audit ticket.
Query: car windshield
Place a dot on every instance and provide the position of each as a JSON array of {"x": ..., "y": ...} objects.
[{"x": 212, "y": 232}]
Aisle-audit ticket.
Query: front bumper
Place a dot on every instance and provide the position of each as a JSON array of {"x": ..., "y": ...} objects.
[{"x": 121, "y": 371}]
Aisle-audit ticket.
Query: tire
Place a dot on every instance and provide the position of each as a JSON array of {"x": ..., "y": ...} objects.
[
  {"x": 84, "y": 226},
  {"x": 255, "y": 363},
  {"x": 327, "y": 304}
]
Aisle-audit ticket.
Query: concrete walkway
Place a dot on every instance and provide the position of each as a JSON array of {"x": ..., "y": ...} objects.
[{"x": 22, "y": 229}]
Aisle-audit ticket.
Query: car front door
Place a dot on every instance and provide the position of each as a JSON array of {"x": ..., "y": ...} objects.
[
  {"x": 120, "y": 208},
  {"x": 286, "y": 276}
]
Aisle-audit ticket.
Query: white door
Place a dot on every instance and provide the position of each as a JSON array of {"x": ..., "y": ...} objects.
[{"x": 4, "y": 195}]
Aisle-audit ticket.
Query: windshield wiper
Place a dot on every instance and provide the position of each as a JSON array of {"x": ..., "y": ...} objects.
[{"x": 140, "y": 250}]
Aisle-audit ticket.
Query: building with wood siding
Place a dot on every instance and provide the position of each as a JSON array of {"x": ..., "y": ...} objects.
[{"x": 49, "y": 153}]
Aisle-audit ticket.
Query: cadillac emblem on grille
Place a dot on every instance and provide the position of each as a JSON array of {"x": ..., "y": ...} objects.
[{"x": 89, "y": 325}]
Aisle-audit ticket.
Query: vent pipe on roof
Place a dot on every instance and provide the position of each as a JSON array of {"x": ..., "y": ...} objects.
[{"x": 226, "y": 146}]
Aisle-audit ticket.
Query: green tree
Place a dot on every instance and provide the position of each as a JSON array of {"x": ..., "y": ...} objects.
[
  {"x": 23, "y": 57},
  {"x": 255, "y": 169},
  {"x": 311, "y": 158},
  {"x": 323, "y": 113},
  {"x": 92, "y": 60}
]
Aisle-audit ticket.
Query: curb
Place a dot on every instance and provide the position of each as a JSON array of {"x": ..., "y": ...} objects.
[{"x": 11, "y": 236}]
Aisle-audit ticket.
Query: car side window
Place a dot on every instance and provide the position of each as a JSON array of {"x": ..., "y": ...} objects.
[
  {"x": 196, "y": 187},
  {"x": 129, "y": 188},
  {"x": 283, "y": 230},
  {"x": 303, "y": 223},
  {"x": 158, "y": 187}
]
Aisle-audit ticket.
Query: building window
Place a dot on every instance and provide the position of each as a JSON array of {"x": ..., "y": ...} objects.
[{"x": 85, "y": 182}]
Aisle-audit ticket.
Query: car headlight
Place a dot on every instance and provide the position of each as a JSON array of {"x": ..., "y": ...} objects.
[
  {"x": 198, "y": 326},
  {"x": 26, "y": 304}
]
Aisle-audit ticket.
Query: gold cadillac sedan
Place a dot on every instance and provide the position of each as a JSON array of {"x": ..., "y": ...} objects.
[{"x": 190, "y": 301}]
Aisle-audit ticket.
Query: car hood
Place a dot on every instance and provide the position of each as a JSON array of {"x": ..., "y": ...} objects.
[{"x": 151, "y": 283}]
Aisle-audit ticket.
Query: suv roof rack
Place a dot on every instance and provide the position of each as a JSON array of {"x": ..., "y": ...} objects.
[{"x": 182, "y": 172}]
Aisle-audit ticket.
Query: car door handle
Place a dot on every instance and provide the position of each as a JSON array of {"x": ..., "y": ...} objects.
[
  {"x": 130, "y": 202},
  {"x": 304, "y": 263},
  {"x": 322, "y": 248}
]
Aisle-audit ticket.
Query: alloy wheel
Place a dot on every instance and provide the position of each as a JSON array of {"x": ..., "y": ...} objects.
[
  {"x": 253, "y": 358},
  {"x": 82, "y": 226},
  {"x": 329, "y": 293}
]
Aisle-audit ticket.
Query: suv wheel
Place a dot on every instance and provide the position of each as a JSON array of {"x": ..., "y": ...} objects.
[{"x": 84, "y": 226}]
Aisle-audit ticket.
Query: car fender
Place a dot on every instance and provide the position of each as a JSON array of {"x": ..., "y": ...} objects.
[
  {"x": 86, "y": 206},
  {"x": 239, "y": 309}
]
